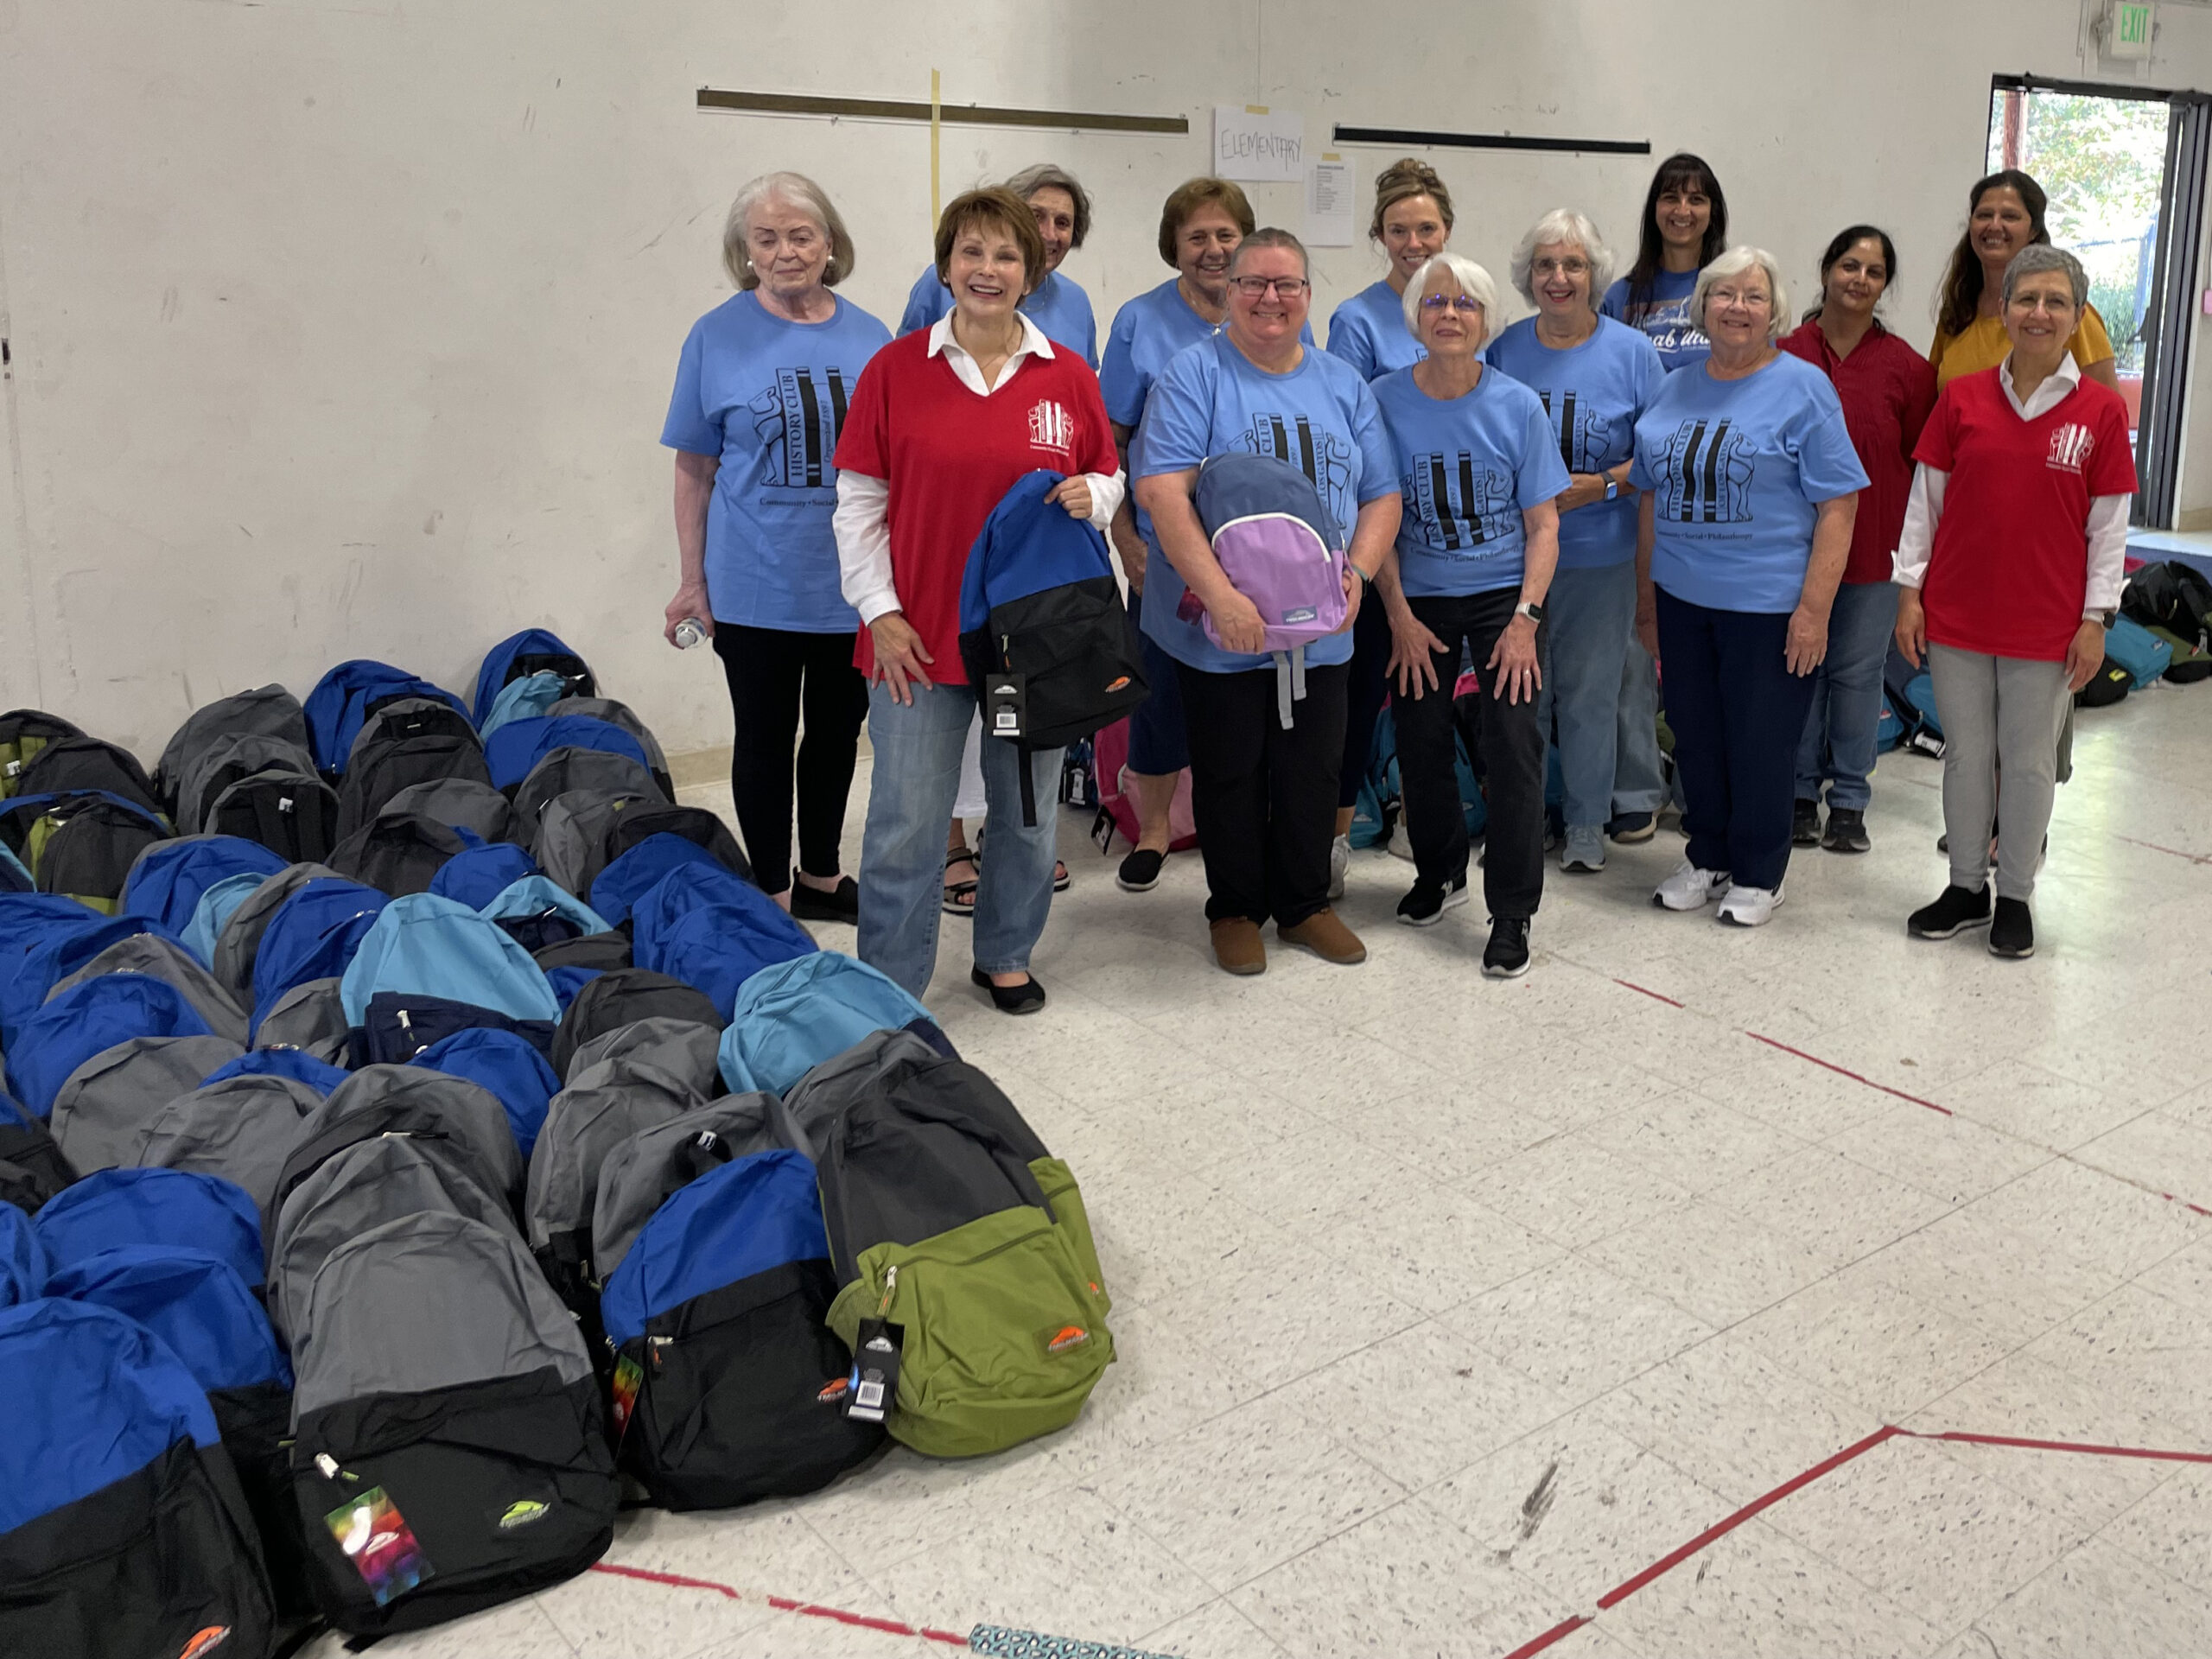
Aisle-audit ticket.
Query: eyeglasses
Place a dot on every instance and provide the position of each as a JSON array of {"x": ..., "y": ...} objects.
[
  {"x": 2032, "y": 302},
  {"x": 1569, "y": 266},
  {"x": 1752, "y": 299},
  {"x": 1288, "y": 288},
  {"x": 1457, "y": 302}
]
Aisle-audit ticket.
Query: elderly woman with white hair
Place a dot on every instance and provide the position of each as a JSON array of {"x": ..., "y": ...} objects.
[
  {"x": 1750, "y": 486},
  {"x": 761, "y": 388},
  {"x": 1595, "y": 377},
  {"x": 1480, "y": 476}
]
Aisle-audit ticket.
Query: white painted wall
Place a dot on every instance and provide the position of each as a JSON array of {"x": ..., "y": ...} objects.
[{"x": 346, "y": 329}]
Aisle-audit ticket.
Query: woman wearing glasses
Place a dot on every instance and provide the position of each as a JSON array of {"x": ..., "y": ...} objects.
[
  {"x": 1595, "y": 377},
  {"x": 1479, "y": 472},
  {"x": 1264, "y": 795},
  {"x": 1751, "y": 488}
]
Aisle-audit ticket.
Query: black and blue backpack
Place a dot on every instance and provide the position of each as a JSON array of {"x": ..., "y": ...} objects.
[
  {"x": 713, "y": 931},
  {"x": 343, "y": 700},
  {"x": 508, "y": 1064},
  {"x": 517, "y": 656},
  {"x": 514, "y": 750},
  {"x": 312, "y": 935},
  {"x": 87, "y": 1018},
  {"x": 167, "y": 881}
]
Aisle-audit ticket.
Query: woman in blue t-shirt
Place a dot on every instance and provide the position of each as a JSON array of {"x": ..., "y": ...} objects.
[
  {"x": 1596, "y": 376},
  {"x": 1263, "y": 793},
  {"x": 1057, "y": 305},
  {"x": 1479, "y": 474},
  {"x": 1685, "y": 225},
  {"x": 1751, "y": 487},
  {"x": 760, "y": 399}
]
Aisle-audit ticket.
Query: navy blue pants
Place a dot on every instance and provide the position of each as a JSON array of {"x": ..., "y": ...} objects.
[
  {"x": 1363, "y": 695},
  {"x": 1737, "y": 713}
]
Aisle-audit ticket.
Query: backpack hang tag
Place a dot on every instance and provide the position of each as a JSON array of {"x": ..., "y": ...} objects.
[
  {"x": 375, "y": 1537},
  {"x": 1006, "y": 697},
  {"x": 876, "y": 1370},
  {"x": 629, "y": 1377}
]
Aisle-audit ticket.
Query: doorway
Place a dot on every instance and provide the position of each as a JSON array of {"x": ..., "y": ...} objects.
[{"x": 2125, "y": 173}]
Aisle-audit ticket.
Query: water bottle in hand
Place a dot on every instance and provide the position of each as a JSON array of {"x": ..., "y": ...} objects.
[{"x": 689, "y": 632}]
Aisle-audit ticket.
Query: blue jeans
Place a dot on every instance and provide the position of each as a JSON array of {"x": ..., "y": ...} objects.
[
  {"x": 1839, "y": 741},
  {"x": 1639, "y": 785},
  {"x": 915, "y": 777},
  {"x": 1589, "y": 628}
]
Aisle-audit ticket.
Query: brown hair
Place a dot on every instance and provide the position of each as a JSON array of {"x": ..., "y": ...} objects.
[
  {"x": 1402, "y": 180},
  {"x": 1190, "y": 195},
  {"x": 1960, "y": 297},
  {"x": 996, "y": 208}
]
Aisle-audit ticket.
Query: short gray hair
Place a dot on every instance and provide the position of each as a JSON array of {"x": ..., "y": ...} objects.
[
  {"x": 1556, "y": 229},
  {"x": 801, "y": 192},
  {"x": 1271, "y": 236},
  {"x": 1735, "y": 262},
  {"x": 2039, "y": 258},
  {"x": 1048, "y": 175},
  {"x": 1474, "y": 282}
]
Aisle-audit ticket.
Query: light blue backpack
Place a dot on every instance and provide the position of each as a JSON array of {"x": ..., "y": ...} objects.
[
  {"x": 424, "y": 945},
  {"x": 790, "y": 1016},
  {"x": 524, "y": 699}
]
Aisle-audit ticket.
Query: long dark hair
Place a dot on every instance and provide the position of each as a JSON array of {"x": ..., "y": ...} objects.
[
  {"x": 1677, "y": 171},
  {"x": 1962, "y": 291},
  {"x": 1846, "y": 239}
]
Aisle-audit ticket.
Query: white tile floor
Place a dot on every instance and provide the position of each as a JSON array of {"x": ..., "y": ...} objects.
[{"x": 1446, "y": 1305}]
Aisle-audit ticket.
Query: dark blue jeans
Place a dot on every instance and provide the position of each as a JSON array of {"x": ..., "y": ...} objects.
[{"x": 1737, "y": 712}]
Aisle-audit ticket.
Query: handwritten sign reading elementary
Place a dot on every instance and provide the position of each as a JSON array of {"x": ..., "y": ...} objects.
[{"x": 1253, "y": 143}]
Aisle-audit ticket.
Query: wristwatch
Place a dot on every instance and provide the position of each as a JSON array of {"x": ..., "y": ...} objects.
[
  {"x": 1534, "y": 612},
  {"x": 2106, "y": 617},
  {"x": 1612, "y": 487}
]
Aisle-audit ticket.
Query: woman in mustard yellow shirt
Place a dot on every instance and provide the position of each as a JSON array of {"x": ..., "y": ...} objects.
[{"x": 2005, "y": 213}]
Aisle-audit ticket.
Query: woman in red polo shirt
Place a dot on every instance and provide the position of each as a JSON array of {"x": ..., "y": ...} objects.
[
  {"x": 1886, "y": 389},
  {"x": 2010, "y": 565},
  {"x": 943, "y": 421}
]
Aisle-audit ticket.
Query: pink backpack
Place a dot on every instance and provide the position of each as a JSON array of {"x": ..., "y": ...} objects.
[{"x": 1117, "y": 809}]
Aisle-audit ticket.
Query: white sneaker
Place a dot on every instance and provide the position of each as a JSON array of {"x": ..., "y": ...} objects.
[
  {"x": 1743, "y": 907},
  {"x": 1339, "y": 862},
  {"x": 1690, "y": 888}
]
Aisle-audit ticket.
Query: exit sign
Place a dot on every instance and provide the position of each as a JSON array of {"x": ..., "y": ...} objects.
[{"x": 2127, "y": 35}]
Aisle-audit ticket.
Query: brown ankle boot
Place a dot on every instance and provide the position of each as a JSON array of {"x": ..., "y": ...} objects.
[
  {"x": 1327, "y": 938},
  {"x": 1237, "y": 946}
]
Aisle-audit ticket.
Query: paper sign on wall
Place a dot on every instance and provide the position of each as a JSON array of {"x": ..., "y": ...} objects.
[
  {"x": 1328, "y": 202},
  {"x": 1257, "y": 144}
]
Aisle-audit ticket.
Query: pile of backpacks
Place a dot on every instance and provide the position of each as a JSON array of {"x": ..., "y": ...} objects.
[{"x": 422, "y": 1137}]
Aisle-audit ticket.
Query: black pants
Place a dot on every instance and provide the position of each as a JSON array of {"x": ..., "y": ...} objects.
[
  {"x": 772, "y": 675},
  {"x": 1738, "y": 713},
  {"x": 1363, "y": 695},
  {"x": 1265, "y": 799},
  {"x": 1512, "y": 757}
]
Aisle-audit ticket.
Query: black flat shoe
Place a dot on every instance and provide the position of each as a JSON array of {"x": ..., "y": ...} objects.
[
  {"x": 1025, "y": 998},
  {"x": 841, "y": 904}
]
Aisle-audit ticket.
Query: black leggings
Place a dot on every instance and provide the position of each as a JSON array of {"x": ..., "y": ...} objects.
[
  {"x": 771, "y": 673},
  {"x": 1364, "y": 692}
]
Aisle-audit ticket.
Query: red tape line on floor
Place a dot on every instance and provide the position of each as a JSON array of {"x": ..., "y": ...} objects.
[
  {"x": 1654, "y": 995},
  {"x": 1843, "y": 1072},
  {"x": 783, "y": 1603},
  {"x": 1557, "y": 1632}
]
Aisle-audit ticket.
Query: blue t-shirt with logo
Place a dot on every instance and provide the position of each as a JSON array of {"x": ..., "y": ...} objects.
[
  {"x": 1665, "y": 318},
  {"x": 1369, "y": 332},
  {"x": 1467, "y": 468},
  {"x": 1592, "y": 394},
  {"x": 1058, "y": 307},
  {"x": 1212, "y": 400},
  {"x": 1737, "y": 471},
  {"x": 768, "y": 397}
]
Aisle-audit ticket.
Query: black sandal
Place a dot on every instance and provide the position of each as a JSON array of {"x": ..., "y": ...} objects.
[
  {"x": 1061, "y": 878},
  {"x": 957, "y": 892}
]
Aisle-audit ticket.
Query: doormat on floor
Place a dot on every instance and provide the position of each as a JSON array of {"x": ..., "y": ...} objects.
[{"x": 999, "y": 1643}]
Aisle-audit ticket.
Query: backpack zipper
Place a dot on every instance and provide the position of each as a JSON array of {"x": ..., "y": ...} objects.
[{"x": 890, "y": 1289}]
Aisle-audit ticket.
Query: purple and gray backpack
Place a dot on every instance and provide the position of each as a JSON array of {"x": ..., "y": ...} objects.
[{"x": 1280, "y": 548}]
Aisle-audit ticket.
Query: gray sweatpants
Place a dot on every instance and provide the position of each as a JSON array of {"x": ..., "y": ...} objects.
[{"x": 2002, "y": 717}]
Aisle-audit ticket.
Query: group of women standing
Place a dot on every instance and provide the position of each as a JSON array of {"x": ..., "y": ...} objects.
[{"x": 1650, "y": 483}]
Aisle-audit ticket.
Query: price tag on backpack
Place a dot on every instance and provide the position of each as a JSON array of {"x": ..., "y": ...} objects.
[
  {"x": 375, "y": 1538},
  {"x": 1005, "y": 698},
  {"x": 629, "y": 1376},
  {"x": 876, "y": 1370}
]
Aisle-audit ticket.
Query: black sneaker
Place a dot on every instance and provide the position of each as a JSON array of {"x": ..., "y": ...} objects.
[
  {"x": 1628, "y": 828},
  {"x": 1506, "y": 956},
  {"x": 2013, "y": 930},
  {"x": 842, "y": 903},
  {"x": 1140, "y": 871},
  {"x": 1805, "y": 824},
  {"x": 1426, "y": 905},
  {"x": 1847, "y": 831},
  {"x": 1953, "y": 911}
]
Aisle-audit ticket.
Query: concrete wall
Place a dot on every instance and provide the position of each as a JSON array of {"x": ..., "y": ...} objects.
[{"x": 346, "y": 329}]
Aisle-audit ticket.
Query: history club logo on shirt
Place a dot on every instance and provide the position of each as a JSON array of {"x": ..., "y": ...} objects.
[
  {"x": 1706, "y": 469},
  {"x": 1460, "y": 505},
  {"x": 1051, "y": 427},
  {"x": 1583, "y": 437},
  {"x": 2070, "y": 445}
]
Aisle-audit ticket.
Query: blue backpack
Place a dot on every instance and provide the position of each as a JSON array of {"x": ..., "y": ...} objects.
[
  {"x": 423, "y": 945},
  {"x": 516, "y": 746},
  {"x": 568, "y": 980},
  {"x": 509, "y": 1065},
  {"x": 476, "y": 877},
  {"x": 194, "y": 1301},
  {"x": 637, "y": 872},
  {"x": 46, "y": 951},
  {"x": 741, "y": 1395},
  {"x": 295, "y": 1062},
  {"x": 88, "y": 1019},
  {"x": 791, "y": 1016},
  {"x": 22, "y": 1259},
  {"x": 537, "y": 913},
  {"x": 713, "y": 931},
  {"x": 2135, "y": 648},
  {"x": 524, "y": 699},
  {"x": 166, "y": 883},
  {"x": 519, "y": 656},
  {"x": 398, "y": 1025},
  {"x": 214, "y": 912},
  {"x": 343, "y": 699},
  {"x": 122, "y": 1527},
  {"x": 173, "y": 1208},
  {"x": 314, "y": 935}
]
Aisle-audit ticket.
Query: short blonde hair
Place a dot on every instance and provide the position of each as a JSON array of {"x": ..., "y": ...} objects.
[
  {"x": 1556, "y": 229},
  {"x": 1474, "y": 282},
  {"x": 1735, "y": 262},
  {"x": 802, "y": 192}
]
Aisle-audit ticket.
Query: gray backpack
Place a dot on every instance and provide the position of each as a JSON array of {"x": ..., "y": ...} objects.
[
  {"x": 103, "y": 1109},
  {"x": 159, "y": 958},
  {"x": 572, "y": 768},
  {"x": 572, "y": 831},
  {"x": 405, "y": 1100},
  {"x": 241, "y": 1129},
  {"x": 265, "y": 711},
  {"x": 683, "y": 1048},
  {"x": 461, "y": 803},
  {"x": 311, "y": 1017},
  {"x": 616, "y": 714},
  {"x": 589, "y": 1119},
  {"x": 637, "y": 1176},
  {"x": 239, "y": 944},
  {"x": 213, "y": 771}
]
